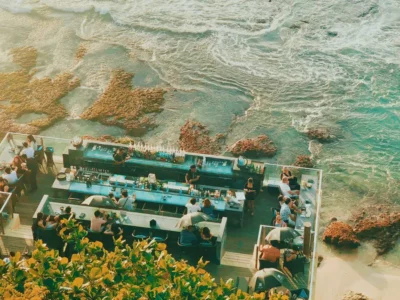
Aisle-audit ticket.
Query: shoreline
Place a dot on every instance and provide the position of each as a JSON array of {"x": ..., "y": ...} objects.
[{"x": 358, "y": 270}]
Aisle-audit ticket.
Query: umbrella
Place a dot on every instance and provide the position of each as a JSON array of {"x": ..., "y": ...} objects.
[
  {"x": 99, "y": 201},
  {"x": 192, "y": 219},
  {"x": 266, "y": 279},
  {"x": 282, "y": 234}
]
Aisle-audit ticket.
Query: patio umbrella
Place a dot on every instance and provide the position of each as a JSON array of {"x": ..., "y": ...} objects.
[
  {"x": 282, "y": 234},
  {"x": 99, "y": 201},
  {"x": 192, "y": 219},
  {"x": 266, "y": 279}
]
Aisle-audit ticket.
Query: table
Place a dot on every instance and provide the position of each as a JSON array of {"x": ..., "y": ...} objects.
[
  {"x": 310, "y": 195},
  {"x": 149, "y": 196},
  {"x": 135, "y": 219}
]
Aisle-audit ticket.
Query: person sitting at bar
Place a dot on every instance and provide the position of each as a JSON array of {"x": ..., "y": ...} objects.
[
  {"x": 114, "y": 229},
  {"x": 294, "y": 260},
  {"x": 97, "y": 221},
  {"x": 28, "y": 151},
  {"x": 3, "y": 185},
  {"x": 293, "y": 207},
  {"x": 67, "y": 214},
  {"x": 10, "y": 176},
  {"x": 112, "y": 197},
  {"x": 205, "y": 235},
  {"x": 286, "y": 214},
  {"x": 120, "y": 156},
  {"x": 7, "y": 260},
  {"x": 188, "y": 236},
  {"x": 192, "y": 206},
  {"x": 285, "y": 188},
  {"x": 279, "y": 222},
  {"x": 192, "y": 175},
  {"x": 292, "y": 179},
  {"x": 208, "y": 208},
  {"x": 31, "y": 142},
  {"x": 126, "y": 202},
  {"x": 18, "y": 164},
  {"x": 270, "y": 252},
  {"x": 231, "y": 197}
]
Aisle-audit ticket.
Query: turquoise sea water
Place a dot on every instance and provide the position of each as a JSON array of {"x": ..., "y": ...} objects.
[{"x": 243, "y": 68}]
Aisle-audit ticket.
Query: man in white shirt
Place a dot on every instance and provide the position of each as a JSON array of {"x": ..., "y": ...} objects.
[
  {"x": 192, "y": 206},
  {"x": 125, "y": 202},
  {"x": 28, "y": 151},
  {"x": 285, "y": 188},
  {"x": 10, "y": 176}
]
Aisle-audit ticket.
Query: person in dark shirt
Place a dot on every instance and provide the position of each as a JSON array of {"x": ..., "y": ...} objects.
[
  {"x": 188, "y": 237},
  {"x": 250, "y": 195},
  {"x": 67, "y": 215},
  {"x": 32, "y": 166},
  {"x": 120, "y": 156},
  {"x": 192, "y": 176}
]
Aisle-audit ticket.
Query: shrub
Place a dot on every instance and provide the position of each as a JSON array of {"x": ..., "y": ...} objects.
[{"x": 142, "y": 271}]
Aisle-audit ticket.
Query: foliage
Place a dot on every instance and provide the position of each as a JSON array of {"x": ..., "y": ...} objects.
[
  {"x": 144, "y": 270},
  {"x": 304, "y": 161},
  {"x": 261, "y": 146}
]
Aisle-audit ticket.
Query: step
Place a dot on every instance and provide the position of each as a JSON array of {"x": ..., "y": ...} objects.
[{"x": 235, "y": 259}]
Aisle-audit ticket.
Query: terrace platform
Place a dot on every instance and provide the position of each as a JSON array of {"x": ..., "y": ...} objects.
[{"x": 237, "y": 261}]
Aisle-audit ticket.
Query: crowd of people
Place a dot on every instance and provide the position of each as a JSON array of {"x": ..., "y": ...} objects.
[{"x": 24, "y": 166}]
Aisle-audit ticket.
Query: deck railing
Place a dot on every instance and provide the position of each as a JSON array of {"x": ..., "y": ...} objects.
[{"x": 6, "y": 210}]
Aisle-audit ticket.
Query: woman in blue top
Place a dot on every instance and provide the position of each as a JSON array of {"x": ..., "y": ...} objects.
[{"x": 208, "y": 208}]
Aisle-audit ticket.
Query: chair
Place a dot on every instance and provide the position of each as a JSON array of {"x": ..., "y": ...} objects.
[
  {"x": 140, "y": 234},
  {"x": 95, "y": 236},
  {"x": 40, "y": 157},
  {"x": 159, "y": 235},
  {"x": 267, "y": 264}
]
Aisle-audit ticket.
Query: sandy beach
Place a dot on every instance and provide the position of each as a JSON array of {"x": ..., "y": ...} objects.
[{"x": 356, "y": 272}]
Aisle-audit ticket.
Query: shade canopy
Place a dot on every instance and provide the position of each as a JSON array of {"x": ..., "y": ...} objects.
[
  {"x": 99, "y": 201},
  {"x": 266, "y": 279},
  {"x": 192, "y": 219}
]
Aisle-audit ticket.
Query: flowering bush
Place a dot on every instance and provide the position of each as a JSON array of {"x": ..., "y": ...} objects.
[
  {"x": 141, "y": 271},
  {"x": 275, "y": 295}
]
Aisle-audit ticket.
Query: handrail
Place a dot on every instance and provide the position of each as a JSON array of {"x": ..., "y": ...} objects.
[{"x": 6, "y": 202}]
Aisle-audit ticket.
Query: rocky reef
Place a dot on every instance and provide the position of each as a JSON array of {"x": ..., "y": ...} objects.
[
  {"x": 341, "y": 235},
  {"x": 304, "y": 161},
  {"x": 322, "y": 135},
  {"x": 128, "y": 108},
  {"x": 195, "y": 137},
  {"x": 21, "y": 93},
  {"x": 379, "y": 223},
  {"x": 354, "y": 296},
  {"x": 81, "y": 52},
  {"x": 261, "y": 146}
]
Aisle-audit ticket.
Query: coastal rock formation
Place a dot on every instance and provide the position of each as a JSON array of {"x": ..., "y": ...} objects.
[
  {"x": 340, "y": 234},
  {"x": 261, "y": 146},
  {"x": 81, "y": 52},
  {"x": 194, "y": 137},
  {"x": 354, "y": 296},
  {"x": 322, "y": 135},
  {"x": 304, "y": 161},
  {"x": 121, "y": 106},
  {"x": 379, "y": 223},
  {"x": 22, "y": 93},
  {"x": 25, "y": 57}
]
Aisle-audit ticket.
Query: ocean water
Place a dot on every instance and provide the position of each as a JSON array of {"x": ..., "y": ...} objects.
[{"x": 243, "y": 68}]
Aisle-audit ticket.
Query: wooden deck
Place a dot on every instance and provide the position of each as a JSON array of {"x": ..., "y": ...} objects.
[{"x": 237, "y": 261}]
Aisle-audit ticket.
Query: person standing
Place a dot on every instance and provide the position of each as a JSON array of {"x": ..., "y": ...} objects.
[
  {"x": 192, "y": 176},
  {"x": 250, "y": 195},
  {"x": 32, "y": 166},
  {"x": 31, "y": 142},
  {"x": 28, "y": 151}
]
